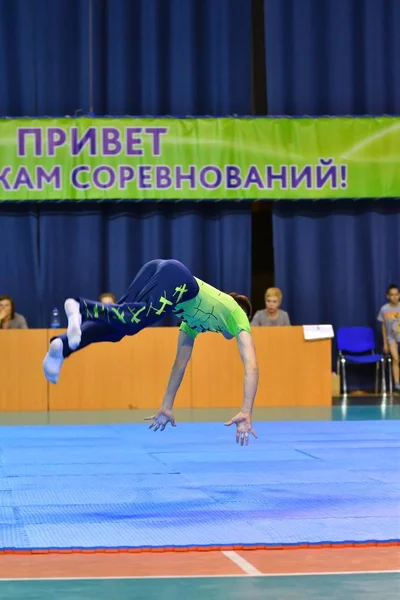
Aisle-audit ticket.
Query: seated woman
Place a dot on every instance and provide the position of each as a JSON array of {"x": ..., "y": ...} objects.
[
  {"x": 162, "y": 287},
  {"x": 9, "y": 319},
  {"x": 271, "y": 315}
]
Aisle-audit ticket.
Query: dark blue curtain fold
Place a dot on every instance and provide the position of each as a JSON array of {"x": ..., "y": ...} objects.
[
  {"x": 332, "y": 56},
  {"x": 52, "y": 252},
  {"x": 71, "y": 255},
  {"x": 334, "y": 260},
  {"x": 141, "y": 57},
  {"x": 19, "y": 259},
  {"x": 44, "y": 57},
  {"x": 177, "y": 57},
  {"x": 212, "y": 239}
]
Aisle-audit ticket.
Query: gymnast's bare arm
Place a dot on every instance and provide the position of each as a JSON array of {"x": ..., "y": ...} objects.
[
  {"x": 243, "y": 419},
  {"x": 183, "y": 354}
]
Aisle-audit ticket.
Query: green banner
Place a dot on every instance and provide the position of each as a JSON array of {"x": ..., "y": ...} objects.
[{"x": 199, "y": 159}]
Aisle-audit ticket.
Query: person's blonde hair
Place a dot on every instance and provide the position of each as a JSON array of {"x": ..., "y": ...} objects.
[
  {"x": 108, "y": 295},
  {"x": 274, "y": 291}
]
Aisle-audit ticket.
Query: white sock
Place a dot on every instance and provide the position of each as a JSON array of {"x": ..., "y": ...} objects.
[
  {"x": 74, "y": 333},
  {"x": 53, "y": 361}
]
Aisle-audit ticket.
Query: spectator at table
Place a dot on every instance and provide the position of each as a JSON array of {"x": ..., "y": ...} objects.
[
  {"x": 9, "y": 319},
  {"x": 107, "y": 298},
  {"x": 271, "y": 315}
]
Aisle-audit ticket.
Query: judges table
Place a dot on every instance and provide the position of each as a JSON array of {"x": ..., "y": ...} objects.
[{"x": 133, "y": 373}]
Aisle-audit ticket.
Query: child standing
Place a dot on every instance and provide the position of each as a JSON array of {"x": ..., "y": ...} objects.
[{"x": 389, "y": 316}]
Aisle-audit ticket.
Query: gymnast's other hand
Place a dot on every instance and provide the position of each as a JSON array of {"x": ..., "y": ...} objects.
[
  {"x": 243, "y": 427},
  {"x": 161, "y": 419}
]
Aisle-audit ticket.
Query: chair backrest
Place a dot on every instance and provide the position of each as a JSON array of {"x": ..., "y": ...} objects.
[{"x": 355, "y": 339}]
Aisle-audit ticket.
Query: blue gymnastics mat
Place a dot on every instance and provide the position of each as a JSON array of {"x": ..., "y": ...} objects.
[{"x": 123, "y": 486}]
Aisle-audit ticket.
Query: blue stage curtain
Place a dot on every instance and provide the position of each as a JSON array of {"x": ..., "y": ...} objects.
[
  {"x": 52, "y": 252},
  {"x": 19, "y": 259},
  {"x": 44, "y": 57},
  {"x": 176, "y": 57},
  {"x": 332, "y": 56},
  {"x": 334, "y": 260},
  {"x": 121, "y": 57}
]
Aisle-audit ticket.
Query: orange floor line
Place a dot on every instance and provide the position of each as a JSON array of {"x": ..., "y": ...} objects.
[
  {"x": 197, "y": 563},
  {"x": 117, "y": 565},
  {"x": 325, "y": 560}
]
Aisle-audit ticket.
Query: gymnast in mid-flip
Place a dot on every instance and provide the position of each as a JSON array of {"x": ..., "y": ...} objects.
[{"x": 162, "y": 287}]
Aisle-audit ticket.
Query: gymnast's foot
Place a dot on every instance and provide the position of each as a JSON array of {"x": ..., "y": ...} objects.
[
  {"x": 74, "y": 333},
  {"x": 53, "y": 361}
]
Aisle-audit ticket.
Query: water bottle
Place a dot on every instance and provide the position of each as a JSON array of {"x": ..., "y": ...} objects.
[{"x": 55, "y": 318}]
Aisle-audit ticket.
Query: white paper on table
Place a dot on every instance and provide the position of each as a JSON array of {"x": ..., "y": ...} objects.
[{"x": 318, "y": 332}]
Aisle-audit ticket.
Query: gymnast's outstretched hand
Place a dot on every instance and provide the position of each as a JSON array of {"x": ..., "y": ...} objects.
[
  {"x": 161, "y": 419},
  {"x": 243, "y": 427}
]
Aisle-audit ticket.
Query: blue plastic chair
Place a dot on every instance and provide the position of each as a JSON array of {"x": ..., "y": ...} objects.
[{"x": 357, "y": 345}]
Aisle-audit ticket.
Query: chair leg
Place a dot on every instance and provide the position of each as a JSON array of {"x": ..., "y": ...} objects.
[
  {"x": 376, "y": 378},
  {"x": 388, "y": 361},
  {"x": 344, "y": 378},
  {"x": 383, "y": 385}
]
